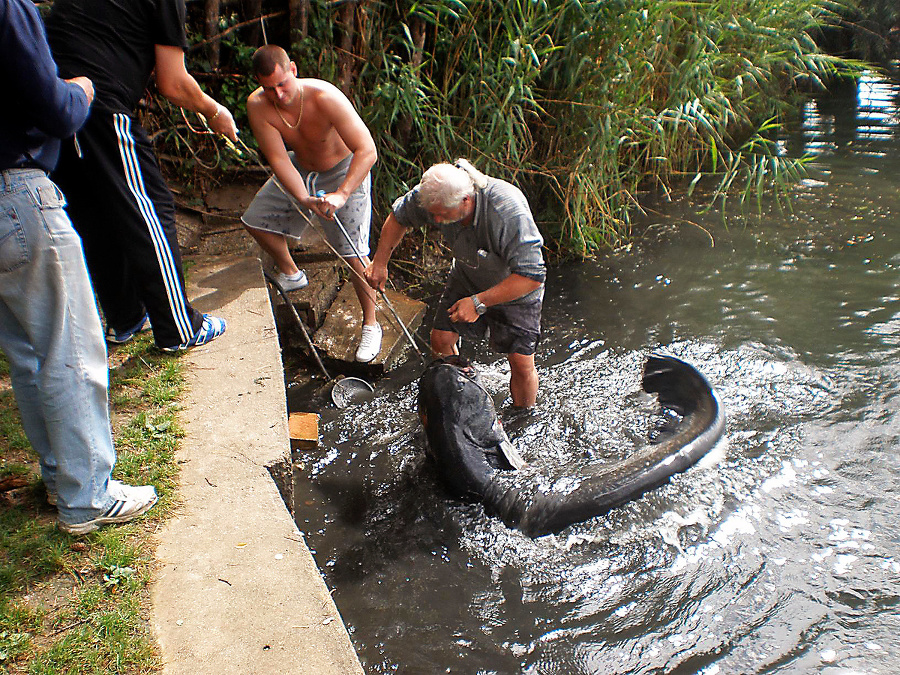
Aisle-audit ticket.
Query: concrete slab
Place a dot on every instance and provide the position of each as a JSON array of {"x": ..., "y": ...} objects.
[
  {"x": 237, "y": 590},
  {"x": 338, "y": 338}
]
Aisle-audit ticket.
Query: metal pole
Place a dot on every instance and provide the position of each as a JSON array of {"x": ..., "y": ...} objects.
[
  {"x": 310, "y": 181},
  {"x": 333, "y": 250},
  {"x": 299, "y": 321}
]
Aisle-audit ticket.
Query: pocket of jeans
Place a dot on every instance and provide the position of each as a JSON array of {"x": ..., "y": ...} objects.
[
  {"x": 48, "y": 196},
  {"x": 13, "y": 245}
]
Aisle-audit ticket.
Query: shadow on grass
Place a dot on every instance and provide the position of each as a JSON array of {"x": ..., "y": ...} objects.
[{"x": 77, "y": 604}]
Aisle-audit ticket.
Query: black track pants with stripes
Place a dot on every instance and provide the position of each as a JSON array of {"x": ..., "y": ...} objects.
[{"x": 125, "y": 214}]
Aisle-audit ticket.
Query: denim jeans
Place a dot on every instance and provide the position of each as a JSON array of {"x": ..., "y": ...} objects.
[{"x": 51, "y": 334}]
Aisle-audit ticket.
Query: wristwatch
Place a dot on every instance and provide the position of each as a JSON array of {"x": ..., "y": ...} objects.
[{"x": 480, "y": 307}]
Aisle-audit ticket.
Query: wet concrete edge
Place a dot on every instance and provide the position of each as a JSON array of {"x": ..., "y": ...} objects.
[{"x": 237, "y": 590}]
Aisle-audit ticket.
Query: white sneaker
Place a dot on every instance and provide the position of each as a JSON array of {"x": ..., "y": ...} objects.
[
  {"x": 115, "y": 489},
  {"x": 369, "y": 343},
  {"x": 130, "y": 503},
  {"x": 292, "y": 282}
]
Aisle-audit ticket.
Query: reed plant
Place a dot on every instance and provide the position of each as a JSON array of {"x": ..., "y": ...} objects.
[
  {"x": 587, "y": 103},
  {"x": 866, "y": 29}
]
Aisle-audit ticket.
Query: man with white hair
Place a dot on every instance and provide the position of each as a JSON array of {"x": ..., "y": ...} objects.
[{"x": 496, "y": 282}]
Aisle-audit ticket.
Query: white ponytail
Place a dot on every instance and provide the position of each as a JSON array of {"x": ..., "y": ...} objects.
[
  {"x": 446, "y": 185},
  {"x": 479, "y": 180}
]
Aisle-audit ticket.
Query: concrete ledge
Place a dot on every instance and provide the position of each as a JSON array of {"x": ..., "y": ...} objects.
[{"x": 237, "y": 590}]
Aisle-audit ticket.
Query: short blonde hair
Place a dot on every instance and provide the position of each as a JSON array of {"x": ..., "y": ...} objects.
[{"x": 446, "y": 185}]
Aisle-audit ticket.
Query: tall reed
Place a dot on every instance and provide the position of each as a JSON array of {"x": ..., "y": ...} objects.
[{"x": 586, "y": 103}]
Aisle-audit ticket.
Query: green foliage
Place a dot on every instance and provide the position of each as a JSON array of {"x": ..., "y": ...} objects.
[
  {"x": 234, "y": 85},
  {"x": 12, "y": 435},
  {"x": 96, "y": 625},
  {"x": 12, "y": 644},
  {"x": 17, "y": 626},
  {"x": 181, "y": 136},
  {"x": 30, "y": 550},
  {"x": 866, "y": 29},
  {"x": 118, "y": 577},
  {"x": 107, "y": 638},
  {"x": 584, "y": 104}
]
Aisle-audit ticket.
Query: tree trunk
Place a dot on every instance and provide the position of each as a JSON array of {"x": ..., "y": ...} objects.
[
  {"x": 345, "y": 55},
  {"x": 210, "y": 28},
  {"x": 299, "y": 19},
  {"x": 417, "y": 28},
  {"x": 254, "y": 35}
]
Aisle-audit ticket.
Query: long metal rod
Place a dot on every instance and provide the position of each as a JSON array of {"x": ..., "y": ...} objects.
[
  {"x": 311, "y": 178},
  {"x": 388, "y": 303},
  {"x": 299, "y": 321}
]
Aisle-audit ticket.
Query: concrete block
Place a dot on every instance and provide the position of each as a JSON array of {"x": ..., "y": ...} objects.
[
  {"x": 303, "y": 429},
  {"x": 338, "y": 337}
]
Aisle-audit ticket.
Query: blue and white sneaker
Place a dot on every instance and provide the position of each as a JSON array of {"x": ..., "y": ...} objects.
[
  {"x": 115, "y": 337},
  {"x": 131, "y": 502},
  {"x": 211, "y": 328}
]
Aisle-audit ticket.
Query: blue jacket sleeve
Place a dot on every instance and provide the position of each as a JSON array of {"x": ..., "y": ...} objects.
[{"x": 55, "y": 107}]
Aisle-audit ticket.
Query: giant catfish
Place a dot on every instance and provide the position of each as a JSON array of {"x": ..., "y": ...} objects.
[{"x": 468, "y": 444}]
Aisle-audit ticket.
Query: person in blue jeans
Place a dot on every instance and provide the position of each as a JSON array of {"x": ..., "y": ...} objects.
[{"x": 50, "y": 329}]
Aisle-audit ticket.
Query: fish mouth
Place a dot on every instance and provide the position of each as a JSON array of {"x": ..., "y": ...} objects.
[{"x": 457, "y": 361}]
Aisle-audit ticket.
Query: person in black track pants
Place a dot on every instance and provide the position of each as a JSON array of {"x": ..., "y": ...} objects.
[{"x": 118, "y": 199}]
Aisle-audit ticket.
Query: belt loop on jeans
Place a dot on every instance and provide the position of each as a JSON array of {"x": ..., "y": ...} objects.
[{"x": 9, "y": 176}]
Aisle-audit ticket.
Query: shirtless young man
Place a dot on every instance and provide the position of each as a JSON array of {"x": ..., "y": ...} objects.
[{"x": 314, "y": 140}]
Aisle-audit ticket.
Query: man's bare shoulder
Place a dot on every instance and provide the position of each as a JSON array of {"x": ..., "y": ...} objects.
[
  {"x": 257, "y": 99},
  {"x": 321, "y": 90},
  {"x": 259, "y": 107},
  {"x": 316, "y": 84}
]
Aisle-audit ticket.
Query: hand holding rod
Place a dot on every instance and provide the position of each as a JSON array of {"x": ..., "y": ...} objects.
[
  {"x": 256, "y": 158},
  {"x": 390, "y": 306}
]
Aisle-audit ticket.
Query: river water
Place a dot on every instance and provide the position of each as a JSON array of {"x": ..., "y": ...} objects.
[{"x": 778, "y": 553}]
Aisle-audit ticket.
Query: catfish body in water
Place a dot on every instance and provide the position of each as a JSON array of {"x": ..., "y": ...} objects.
[
  {"x": 465, "y": 437},
  {"x": 469, "y": 446}
]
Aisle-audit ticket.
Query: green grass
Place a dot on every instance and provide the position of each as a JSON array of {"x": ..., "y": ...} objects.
[
  {"x": 10, "y": 423},
  {"x": 79, "y": 604}
]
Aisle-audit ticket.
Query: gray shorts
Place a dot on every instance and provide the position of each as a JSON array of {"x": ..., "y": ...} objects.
[
  {"x": 512, "y": 329},
  {"x": 273, "y": 210}
]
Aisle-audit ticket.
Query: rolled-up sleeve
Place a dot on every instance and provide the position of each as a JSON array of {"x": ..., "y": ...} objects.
[{"x": 518, "y": 239}]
